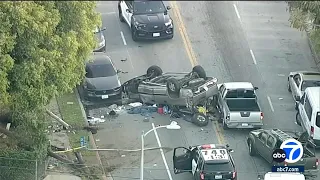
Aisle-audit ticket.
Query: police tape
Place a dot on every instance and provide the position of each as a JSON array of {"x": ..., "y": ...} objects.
[{"x": 70, "y": 150}]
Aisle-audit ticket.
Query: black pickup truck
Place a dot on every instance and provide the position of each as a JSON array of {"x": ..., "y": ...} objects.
[{"x": 264, "y": 141}]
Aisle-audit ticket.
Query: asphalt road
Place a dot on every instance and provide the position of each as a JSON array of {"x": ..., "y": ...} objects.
[{"x": 233, "y": 41}]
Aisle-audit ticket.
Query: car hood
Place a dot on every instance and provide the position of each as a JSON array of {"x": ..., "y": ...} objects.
[
  {"x": 159, "y": 18},
  {"x": 103, "y": 83}
]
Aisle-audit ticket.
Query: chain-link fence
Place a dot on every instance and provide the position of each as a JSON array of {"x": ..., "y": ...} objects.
[{"x": 22, "y": 169}]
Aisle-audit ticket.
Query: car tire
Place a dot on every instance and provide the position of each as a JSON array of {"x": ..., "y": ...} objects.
[
  {"x": 154, "y": 71},
  {"x": 120, "y": 15},
  {"x": 298, "y": 119},
  {"x": 224, "y": 125},
  {"x": 252, "y": 150},
  {"x": 173, "y": 87},
  {"x": 200, "y": 71},
  {"x": 200, "y": 119},
  {"x": 133, "y": 34}
]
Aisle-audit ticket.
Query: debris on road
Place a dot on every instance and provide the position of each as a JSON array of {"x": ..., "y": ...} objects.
[
  {"x": 93, "y": 120},
  {"x": 142, "y": 110},
  {"x": 135, "y": 104}
]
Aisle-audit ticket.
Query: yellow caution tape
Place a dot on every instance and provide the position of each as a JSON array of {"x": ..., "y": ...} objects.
[{"x": 69, "y": 150}]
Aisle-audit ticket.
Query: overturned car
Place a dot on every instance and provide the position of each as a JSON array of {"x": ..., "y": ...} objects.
[{"x": 188, "y": 89}]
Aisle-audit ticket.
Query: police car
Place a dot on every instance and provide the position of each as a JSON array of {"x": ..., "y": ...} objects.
[{"x": 205, "y": 162}]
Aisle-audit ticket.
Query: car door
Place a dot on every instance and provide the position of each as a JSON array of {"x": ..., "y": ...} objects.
[
  {"x": 295, "y": 86},
  {"x": 260, "y": 143},
  {"x": 182, "y": 158},
  {"x": 194, "y": 163},
  {"x": 222, "y": 91},
  {"x": 127, "y": 9},
  {"x": 270, "y": 147}
]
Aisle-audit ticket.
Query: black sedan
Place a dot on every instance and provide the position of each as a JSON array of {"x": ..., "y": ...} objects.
[
  {"x": 147, "y": 19},
  {"x": 101, "y": 79}
]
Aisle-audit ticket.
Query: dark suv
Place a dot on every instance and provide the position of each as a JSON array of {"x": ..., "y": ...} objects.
[
  {"x": 205, "y": 162},
  {"x": 146, "y": 19}
]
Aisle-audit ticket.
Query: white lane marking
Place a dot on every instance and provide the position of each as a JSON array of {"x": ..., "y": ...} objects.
[
  {"x": 161, "y": 151},
  {"x": 270, "y": 103},
  {"x": 253, "y": 57},
  {"x": 108, "y": 13},
  {"x": 237, "y": 12},
  {"x": 123, "y": 39}
]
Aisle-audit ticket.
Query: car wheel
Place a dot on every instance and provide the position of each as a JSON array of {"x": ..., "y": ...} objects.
[
  {"x": 133, "y": 34},
  {"x": 173, "y": 87},
  {"x": 298, "y": 119},
  {"x": 200, "y": 71},
  {"x": 252, "y": 151},
  {"x": 120, "y": 15},
  {"x": 289, "y": 88},
  {"x": 154, "y": 71},
  {"x": 200, "y": 119},
  {"x": 224, "y": 125}
]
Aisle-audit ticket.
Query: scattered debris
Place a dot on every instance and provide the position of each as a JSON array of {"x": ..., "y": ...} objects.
[
  {"x": 280, "y": 98},
  {"x": 112, "y": 113},
  {"x": 123, "y": 60},
  {"x": 135, "y": 104},
  {"x": 102, "y": 117},
  {"x": 146, "y": 119},
  {"x": 123, "y": 155},
  {"x": 97, "y": 140},
  {"x": 93, "y": 120},
  {"x": 143, "y": 110},
  {"x": 201, "y": 129},
  {"x": 154, "y": 165},
  {"x": 69, "y": 102}
]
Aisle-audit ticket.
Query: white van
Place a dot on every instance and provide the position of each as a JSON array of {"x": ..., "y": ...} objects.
[
  {"x": 308, "y": 115},
  {"x": 283, "y": 176}
]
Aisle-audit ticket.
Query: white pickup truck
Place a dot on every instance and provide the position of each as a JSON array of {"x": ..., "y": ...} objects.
[{"x": 238, "y": 106}]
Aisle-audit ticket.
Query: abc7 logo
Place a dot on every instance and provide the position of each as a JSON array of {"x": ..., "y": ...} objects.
[{"x": 279, "y": 155}]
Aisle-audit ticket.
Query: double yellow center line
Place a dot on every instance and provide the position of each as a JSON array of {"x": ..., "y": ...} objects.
[{"x": 192, "y": 58}]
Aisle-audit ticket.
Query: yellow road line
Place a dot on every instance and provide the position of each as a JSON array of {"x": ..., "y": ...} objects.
[{"x": 192, "y": 57}]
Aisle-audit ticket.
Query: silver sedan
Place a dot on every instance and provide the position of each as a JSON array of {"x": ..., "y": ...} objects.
[{"x": 298, "y": 81}]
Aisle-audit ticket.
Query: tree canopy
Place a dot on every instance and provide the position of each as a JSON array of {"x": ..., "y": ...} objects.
[
  {"x": 43, "y": 47},
  {"x": 305, "y": 16}
]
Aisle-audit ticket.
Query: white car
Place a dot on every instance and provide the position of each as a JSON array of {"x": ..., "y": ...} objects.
[{"x": 298, "y": 81}]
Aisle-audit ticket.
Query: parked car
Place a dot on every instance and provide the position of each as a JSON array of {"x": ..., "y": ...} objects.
[
  {"x": 205, "y": 162},
  {"x": 263, "y": 142},
  {"x": 101, "y": 41},
  {"x": 284, "y": 176},
  {"x": 300, "y": 80},
  {"x": 185, "y": 89},
  {"x": 308, "y": 114},
  {"x": 146, "y": 19},
  {"x": 238, "y": 105},
  {"x": 101, "y": 80}
]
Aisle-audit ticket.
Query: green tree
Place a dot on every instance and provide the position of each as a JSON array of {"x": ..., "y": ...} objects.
[
  {"x": 305, "y": 16},
  {"x": 43, "y": 46}
]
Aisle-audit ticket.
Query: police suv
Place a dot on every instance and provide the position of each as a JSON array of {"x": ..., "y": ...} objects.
[{"x": 205, "y": 162}]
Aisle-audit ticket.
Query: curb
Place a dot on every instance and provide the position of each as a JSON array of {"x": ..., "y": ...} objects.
[
  {"x": 313, "y": 51},
  {"x": 92, "y": 141}
]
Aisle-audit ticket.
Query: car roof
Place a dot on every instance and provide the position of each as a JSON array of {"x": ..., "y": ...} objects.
[
  {"x": 214, "y": 153},
  {"x": 314, "y": 94},
  {"x": 237, "y": 85},
  {"x": 309, "y": 75},
  {"x": 99, "y": 58}
]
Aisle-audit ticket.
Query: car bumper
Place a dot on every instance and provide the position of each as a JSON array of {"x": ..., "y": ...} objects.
[
  {"x": 244, "y": 125},
  {"x": 149, "y": 35},
  {"x": 116, "y": 96},
  {"x": 100, "y": 49}
]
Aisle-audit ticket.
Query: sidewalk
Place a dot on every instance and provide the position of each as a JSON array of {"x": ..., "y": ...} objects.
[{"x": 315, "y": 54}]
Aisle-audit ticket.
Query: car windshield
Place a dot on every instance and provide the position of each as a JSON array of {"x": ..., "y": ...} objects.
[
  {"x": 147, "y": 7},
  {"x": 100, "y": 70},
  {"x": 214, "y": 167},
  {"x": 306, "y": 84}
]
